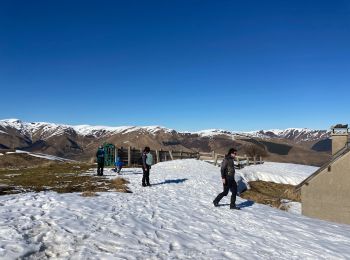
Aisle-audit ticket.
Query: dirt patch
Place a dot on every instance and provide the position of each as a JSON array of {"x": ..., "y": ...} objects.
[
  {"x": 60, "y": 177},
  {"x": 270, "y": 193}
]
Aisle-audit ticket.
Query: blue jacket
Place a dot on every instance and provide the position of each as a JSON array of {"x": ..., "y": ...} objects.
[{"x": 118, "y": 163}]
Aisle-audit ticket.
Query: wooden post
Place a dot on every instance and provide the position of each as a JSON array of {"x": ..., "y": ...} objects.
[
  {"x": 261, "y": 160},
  {"x": 239, "y": 165},
  {"x": 254, "y": 159},
  {"x": 213, "y": 155},
  {"x": 216, "y": 160},
  {"x": 171, "y": 155},
  {"x": 181, "y": 154},
  {"x": 129, "y": 156},
  {"x": 247, "y": 160},
  {"x": 157, "y": 155}
]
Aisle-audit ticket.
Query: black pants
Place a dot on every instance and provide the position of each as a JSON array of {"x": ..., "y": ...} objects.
[
  {"x": 100, "y": 168},
  {"x": 145, "y": 177},
  {"x": 230, "y": 184}
]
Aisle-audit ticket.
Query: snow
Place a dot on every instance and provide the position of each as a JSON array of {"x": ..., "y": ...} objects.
[
  {"x": 49, "y": 157},
  {"x": 173, "y": 219},
  {"x": 286, "y": 173},
  {"x": 41, "y": 155},
  {"x": 2, "y": 132},
  {"x": 299, "y": 134},
  {"x": 213, "y": 132}
]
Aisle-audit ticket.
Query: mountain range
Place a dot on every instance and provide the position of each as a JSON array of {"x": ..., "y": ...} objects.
[{"x": 298, "y": 145}]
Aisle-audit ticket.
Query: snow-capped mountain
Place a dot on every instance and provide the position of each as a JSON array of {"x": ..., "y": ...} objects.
[
  {"x": 294, "y": 134},
  {"x": 80, "y": 142},
  {"x": 42, "y": 130}
]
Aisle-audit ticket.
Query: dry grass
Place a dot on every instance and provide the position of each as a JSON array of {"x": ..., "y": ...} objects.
[
  {"x": 89, "y": 194},
  {"x": 119, "y": 184},
  {"x": 59, "y": 177},
  {"x": 271, "y": 193},
  {"x": 20, "y": 160}
]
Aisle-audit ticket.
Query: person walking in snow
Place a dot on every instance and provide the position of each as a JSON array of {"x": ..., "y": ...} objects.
[
  {"x": 146, "y": 165},
  {"x": 100, "y": 156},
  {"x": 228, "y": 179}
]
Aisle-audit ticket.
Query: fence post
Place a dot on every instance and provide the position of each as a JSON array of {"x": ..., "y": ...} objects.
[
  {"x": 129, "y": 156},
  {"x": 181, "y": 155},
  {"x": 171, "y": 155},
  {"x": 261, "y": 159},
  {"x": 238, "y": 163},
  {"x": 254, "y": 159},
  {"x": 157, "y": 155},
  {"x": 213, "y": 155},
  {"x": 216, "y": 160},
  {"x": 247, "y": 160}
]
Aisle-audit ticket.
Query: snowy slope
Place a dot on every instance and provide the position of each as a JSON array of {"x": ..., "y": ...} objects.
[
  {"x": 173, "y": 219},
  {"x": 44, "y": 156},
  {"x": 286, "y": 173}
]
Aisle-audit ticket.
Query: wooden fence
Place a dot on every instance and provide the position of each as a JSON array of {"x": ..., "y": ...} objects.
[
  {"x": 131, "y": 157},
  {"x": 240, "y": 161}
]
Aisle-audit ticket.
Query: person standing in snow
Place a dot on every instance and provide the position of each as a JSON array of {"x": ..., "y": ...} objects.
[
  {"x": 118, "y": 165},
  {"x": 146, "y": 166},
  {"x": 228, "y": 179},
  {"x": 100, "y": 156}
]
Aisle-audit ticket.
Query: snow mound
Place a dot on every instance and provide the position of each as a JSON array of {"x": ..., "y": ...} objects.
[{"x": 286, "y": 173}]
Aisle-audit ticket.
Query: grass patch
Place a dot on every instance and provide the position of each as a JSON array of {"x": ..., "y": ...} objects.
[
  {"x": 60, "y": 177},
  {"x": 270, "y": 193},
  {"x": 89, "y": 194}
]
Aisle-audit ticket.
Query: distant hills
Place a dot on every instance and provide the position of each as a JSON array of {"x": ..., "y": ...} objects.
[{"x": 298, "y": 145}]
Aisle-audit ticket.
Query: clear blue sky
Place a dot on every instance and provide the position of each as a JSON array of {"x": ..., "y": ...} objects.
[{"x": 188, "y": 65}]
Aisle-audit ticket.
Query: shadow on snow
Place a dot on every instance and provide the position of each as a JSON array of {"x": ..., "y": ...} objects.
[{"x": 176, "y": 181}]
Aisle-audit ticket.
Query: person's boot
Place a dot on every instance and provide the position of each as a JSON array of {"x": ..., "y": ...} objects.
[
  {"x": 235, "y": 207},
  {"x": 216, "y": 204},
  {"x": 143, "y": 184}
]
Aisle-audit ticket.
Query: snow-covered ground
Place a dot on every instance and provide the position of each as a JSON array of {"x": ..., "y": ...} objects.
[
  {"x": 173, "y": 219},
  {"x": 286, "y": 173}
]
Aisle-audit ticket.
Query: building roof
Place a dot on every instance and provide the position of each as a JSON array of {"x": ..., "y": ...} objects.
[{"x": 338, "y": 155}]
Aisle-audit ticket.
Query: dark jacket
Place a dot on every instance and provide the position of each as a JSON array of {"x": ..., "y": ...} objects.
[
  {"x": 100, "y": 156},
  {"x": 227, "y": 167},
  {"x": 144, "y": 157}
]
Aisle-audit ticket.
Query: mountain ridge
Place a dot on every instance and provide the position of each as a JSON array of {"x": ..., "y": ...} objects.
[
  {"x": 80, "y": 142},
  {"x": 30, "y": 128}
]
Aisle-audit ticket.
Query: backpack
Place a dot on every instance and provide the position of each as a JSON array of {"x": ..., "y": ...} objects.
[{"x": 149, "y": 159}]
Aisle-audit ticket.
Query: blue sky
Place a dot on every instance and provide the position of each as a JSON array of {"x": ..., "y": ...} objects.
[{"x": 188, "y": 65}]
